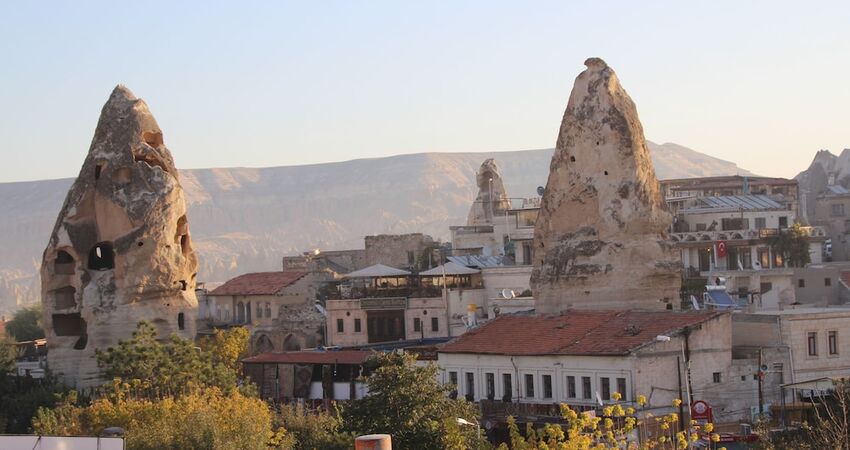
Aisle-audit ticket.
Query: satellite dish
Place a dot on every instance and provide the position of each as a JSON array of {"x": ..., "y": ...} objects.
[
  {"x": 540, "y": 190},
  {"x": 508, "y": 293}
]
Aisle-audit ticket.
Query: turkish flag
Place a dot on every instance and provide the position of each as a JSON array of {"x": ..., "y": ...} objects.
[{"x": 721, "y": 249}]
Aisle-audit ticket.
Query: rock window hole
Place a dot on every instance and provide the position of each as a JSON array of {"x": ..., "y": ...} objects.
[
  {"x": 102, "y": 257},
  {"x": 606, "y": 172},
  {"x": 181, "y": 321},
  {"x": 572, "y": 159},
  {"x": 140, "y": 243},
  {"x": 64, "y": 298},
  {"x": 64, "y": 263},
  {"x": 182, "y": 236},
  {"x": 183, "y": 285},
  {"x": 97, "y": 169}
]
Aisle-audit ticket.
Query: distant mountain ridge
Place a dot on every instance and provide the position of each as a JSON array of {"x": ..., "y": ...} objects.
[{"x": 245, "y": 219}]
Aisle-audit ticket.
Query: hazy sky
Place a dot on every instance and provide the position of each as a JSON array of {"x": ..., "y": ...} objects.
[{"x": 763, "y": 84}]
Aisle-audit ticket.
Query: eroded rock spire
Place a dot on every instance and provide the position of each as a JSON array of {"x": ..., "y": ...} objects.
[
  {"x": 492, "y": 197},
  {"x": 601, "y": 237},
  {"x": 120, "y": 251}
]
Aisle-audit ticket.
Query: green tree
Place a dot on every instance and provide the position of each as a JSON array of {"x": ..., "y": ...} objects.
[
  {"x": 155, "y": 369},
  {"x": 8, "y": 354},
  {"x": 793, "y": 244},
  {"x": 407, "y": 401},
  {"x": 25, "y": 324},
  {"x": 309, "y": 429}
]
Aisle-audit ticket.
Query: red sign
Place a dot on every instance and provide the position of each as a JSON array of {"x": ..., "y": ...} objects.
[
  {"x": 701, "y": 411},
  {"x": 721, "y": 249}
]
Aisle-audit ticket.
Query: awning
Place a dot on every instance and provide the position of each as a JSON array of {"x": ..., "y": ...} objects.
[
  {"x": 378, "y": 270},
  {"x": 449, "y": 268},
  {"x": 818, "y": 384}
]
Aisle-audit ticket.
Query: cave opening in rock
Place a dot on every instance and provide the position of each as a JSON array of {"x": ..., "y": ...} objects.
[
  {"x": 97, "y": 169},
  {"x": 64, "y": 263},
  {"x": 102, "y": 257},
  {"x": 181, "y": 321},
  {"x": 69, "y": 324},
  {"x": 64, "y": 298}
]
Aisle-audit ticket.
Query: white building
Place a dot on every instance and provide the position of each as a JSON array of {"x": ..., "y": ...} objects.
[{"x": 582, "y": 357}]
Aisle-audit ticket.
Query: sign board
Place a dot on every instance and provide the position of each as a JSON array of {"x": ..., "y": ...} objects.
[
  {"x": 701, "y": 412},
  {"x": 30, "y": 442},
  {"x": 383, "y": 303}
]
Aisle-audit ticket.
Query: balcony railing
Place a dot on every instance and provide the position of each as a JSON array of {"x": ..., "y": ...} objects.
[{"x": 764, "y": 233}]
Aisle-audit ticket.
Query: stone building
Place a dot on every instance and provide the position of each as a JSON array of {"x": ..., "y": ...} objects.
[
  {"x": 121, "y": 250},
  {"x": 601, "y": 238},
  {"x": 278, "y": 308},
  {"x": 525, "y": 365}
]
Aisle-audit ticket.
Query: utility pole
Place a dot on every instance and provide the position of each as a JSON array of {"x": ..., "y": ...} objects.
[
  {"x": 681, "y": 407},
  {"x": 761, "y": 393}
]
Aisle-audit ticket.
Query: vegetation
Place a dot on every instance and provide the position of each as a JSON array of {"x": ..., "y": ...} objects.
[
  {"x": 407, "y": 401},
  {"x": 830, "y": 428},
  {"x": 308, "y": 429},
  {"x": 25, "y": 324},
  {"x": 611, "y": 431},
  {"x": 793, "y": 245},
  {"x": 158, "y": 370}
]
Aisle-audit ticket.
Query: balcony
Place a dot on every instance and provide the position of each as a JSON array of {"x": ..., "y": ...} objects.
[{"x": 707, "y": 237}]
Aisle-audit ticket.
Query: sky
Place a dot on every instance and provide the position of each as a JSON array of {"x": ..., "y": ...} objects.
[{"x": 763, "y": 84}]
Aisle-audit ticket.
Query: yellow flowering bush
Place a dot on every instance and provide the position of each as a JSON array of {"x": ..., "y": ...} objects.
[{"x": 620, "y": 428}]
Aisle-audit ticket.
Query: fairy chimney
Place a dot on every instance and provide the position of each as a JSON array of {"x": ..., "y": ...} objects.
[
  {"x": 492, "y": 198},
  {"x": 120, "y": 251},
  {"x": 601, "y": 237}
]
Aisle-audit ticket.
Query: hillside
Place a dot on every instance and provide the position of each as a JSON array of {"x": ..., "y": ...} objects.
[{"x": 245, "y": 219}]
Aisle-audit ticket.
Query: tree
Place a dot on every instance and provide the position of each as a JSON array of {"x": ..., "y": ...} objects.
[
  {"x": 8, "y": 354},
  {"x": 156, "y": 369},
  {"x": 793, "y": 244},
  {"x": 408, "y": 402},
  {"x": 203, "y": 419},
  {"x": 26, "y": 324},
  {"x": 309, "y": 429}
]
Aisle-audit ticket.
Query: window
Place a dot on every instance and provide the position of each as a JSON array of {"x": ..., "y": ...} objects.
[
  {"x": 435, "y": 324},
  {"x": 837, "y": 210},
  {"x": 507, "y": 387},
  {"x": 700, "y": 227},
  {"x": 181, "y": 321},
  {"x": 571, "y": 386},
  {"x": 783, "y": 222},
  {"x": 621, "y": 388},
  {"x": 606, "y": 388},
  {"x": 411, "y": 257},
  {"x": 736, "y": 223},
  {"x": 339, "y": 326},
  {"x": 491, "y": 385},
  {"x": 827, "y": 281},
  {"x": 812, "y": 339},
  {"x": 268, "y": 309},
  {"x": 745, "y": 255},
  {"x": 547, "y": 386},
  {"x": 357, "y": 328},
  {"x": 417, "y": 324},
  {"x": 259, "y": 311},
  {"x": 832, "y": 342},
  {"x": 760, "y": 223},
  {"x": 715, "y": 377},
  {"x": 529, "y": 385},
  {"x": 101, "y": 257},
  {"x": 453, "y": 378},
  {"x": 470, "y": 386},
  {"x": 64, "y": 263},
  {"x": 764, "y": 258},
  {"x": 586, "y": 388},
  {"x": 801, "y": 283}
]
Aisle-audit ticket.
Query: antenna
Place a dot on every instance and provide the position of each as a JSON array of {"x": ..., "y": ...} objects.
[{"x": 540, "y": 190}]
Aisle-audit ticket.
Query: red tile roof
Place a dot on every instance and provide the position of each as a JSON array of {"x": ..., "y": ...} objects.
[
  {"x": 311, "y": 357},
  {"x": 260, "y": 283},
  {"x": 590, "y": 333}
]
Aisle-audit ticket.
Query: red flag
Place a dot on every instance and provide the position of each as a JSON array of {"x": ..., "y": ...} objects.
[{"x": 721, "y": 249}]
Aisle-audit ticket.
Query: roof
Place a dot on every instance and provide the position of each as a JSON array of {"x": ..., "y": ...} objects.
[
  {"x": 312, "y": 357},
  {"x": 729, "y": 181},
  {"x": 836, "y": 189},
  {"x": 588, "y": 333},
  {"x": 747, "y": 202},
  {"x": 449, "y": 268},
  {"x": 378, "y": 270},
  {"x": 478, "y": 261},
  {"x": 259, "y": 283}
]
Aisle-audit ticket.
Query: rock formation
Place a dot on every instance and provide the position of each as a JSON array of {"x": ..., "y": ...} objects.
[
  {"x": 601, "y": 237},
  {"x": 120, "y": 251},
  {"x": 492, "y": 197}
]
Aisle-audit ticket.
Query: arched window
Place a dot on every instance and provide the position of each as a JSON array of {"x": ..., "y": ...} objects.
[
  {"x": 259, "y": 311},
  {"x": 64, "y": 298},
  {"x": 264, "y": 344},
  {"x": 291, "y": 344},
  {"x": 102, "y": 257},
  {"x": 268, "y": 309}
]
